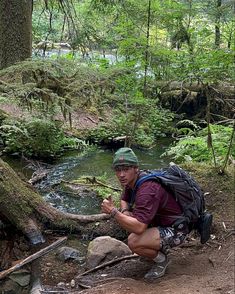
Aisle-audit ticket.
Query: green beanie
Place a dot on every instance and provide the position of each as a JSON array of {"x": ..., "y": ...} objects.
[{"x": 125, "y": 156}]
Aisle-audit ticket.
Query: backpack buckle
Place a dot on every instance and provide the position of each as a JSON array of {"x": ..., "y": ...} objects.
[{"x": 181, "y": 225}]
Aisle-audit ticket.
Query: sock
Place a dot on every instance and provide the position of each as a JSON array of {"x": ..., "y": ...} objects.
[{"x": 160, "y": 257}]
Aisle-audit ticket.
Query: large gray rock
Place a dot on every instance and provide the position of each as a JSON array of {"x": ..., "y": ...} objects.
[{"x": 103, "y": 249}]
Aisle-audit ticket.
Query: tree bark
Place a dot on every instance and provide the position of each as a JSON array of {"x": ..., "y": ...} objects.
[
  {"x": 147, "y": 48},
  {"x": 31, "y": 214},
  {"x": 217, "y": 23},
  {"x": 15, "y": 31}
]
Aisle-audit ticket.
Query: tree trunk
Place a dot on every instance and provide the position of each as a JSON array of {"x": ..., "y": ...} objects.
[
  {"x": 217, "y": 24},
  {"x": 147, "y": 48},
  {"x": 15, "y": 31},
  {"x": 27, "y": 211}
]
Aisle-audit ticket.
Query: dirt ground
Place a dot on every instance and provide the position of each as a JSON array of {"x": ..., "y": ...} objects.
[{"x": 194, "y": 268}]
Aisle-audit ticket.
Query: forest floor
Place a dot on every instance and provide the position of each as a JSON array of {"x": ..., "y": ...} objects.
[{"x": 194, "y": 268}]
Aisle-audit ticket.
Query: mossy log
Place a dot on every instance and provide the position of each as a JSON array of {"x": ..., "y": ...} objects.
[
  {"x": 30, "y": 213},
  {"x": 191, "y": 98}
]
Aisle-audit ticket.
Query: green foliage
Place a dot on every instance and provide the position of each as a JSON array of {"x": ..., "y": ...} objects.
[
  {"x": 105, "y": 192},
  {"x": 186, "y": 123},
  {"x": 195, "y": 148},
  {"x": 185, "y": 127},
  {"x": 154, "y": 123},
  {"x": 101, "y": 186},
  {"x": 40, "y": 138},
  {"x": 181, "y": 41},
  {"x": 46, "y": 21},
  {"x": 73, "y": 143}
]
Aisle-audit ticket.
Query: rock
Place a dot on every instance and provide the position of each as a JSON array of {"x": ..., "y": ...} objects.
[
  {"x": 21, "y": 277},
  {"x": 103, "y": 249},
  {"x": 67, "y": 253},
  {"x": 17, "y": 283},
  {"x": 72, "y": 283},
  {"x": 10, "y": 287},
  {"x": 61, "y": 285}
]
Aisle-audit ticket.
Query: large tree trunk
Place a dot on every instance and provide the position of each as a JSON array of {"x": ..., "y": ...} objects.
[
  {"x": 15, "y": 31},
  {"x": 27, "y": 211}
]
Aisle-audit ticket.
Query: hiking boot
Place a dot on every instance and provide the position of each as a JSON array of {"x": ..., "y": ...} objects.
[{"x": 157, "y": 270}]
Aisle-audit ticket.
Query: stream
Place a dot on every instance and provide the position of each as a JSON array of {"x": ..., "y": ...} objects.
[{"x": 72, "y": 166}]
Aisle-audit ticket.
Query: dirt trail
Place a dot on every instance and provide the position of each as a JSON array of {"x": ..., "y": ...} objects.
[{"x": 196, "y": 269}]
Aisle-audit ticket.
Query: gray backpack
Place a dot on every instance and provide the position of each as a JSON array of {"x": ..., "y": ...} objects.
[{"x": 186, "y": 192}]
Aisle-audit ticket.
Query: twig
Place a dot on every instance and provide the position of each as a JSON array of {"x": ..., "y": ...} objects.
[
  {"x": 95, "y": 181},
  {"x": 211, "y": 261},
  {"x": 215, "y": 242},
  {"x": 111, "y": 281},
  {"x": 229, "y": 255},
  {"x": 32, "y": 257},
  {"x": 102, "y": 282},
  {"x": 108, "y": 263},
  {"x": 55, "y": 291},
  {"x": 230, "y": 232},
  {"x": 92, "y": 181},
  {"x": 84, "y": 286},
  {"x": 224, "y": 226}
]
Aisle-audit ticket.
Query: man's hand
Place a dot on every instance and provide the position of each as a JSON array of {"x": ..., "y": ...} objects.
[{"x": 107, "y": 205}]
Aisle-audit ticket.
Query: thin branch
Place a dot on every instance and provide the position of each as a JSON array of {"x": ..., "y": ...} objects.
[
  {"x": 32, "y": 257},
  {"x": 229, "y": 148},
  {"x": 115, "y": 260},
  {"x": 92, "y": 181}
]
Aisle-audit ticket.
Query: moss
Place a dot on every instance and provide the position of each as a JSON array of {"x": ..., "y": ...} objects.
[{"x": 17, "y": 200}]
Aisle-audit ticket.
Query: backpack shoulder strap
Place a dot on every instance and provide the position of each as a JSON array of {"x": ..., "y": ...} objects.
[{"x": 151, "y": 175}]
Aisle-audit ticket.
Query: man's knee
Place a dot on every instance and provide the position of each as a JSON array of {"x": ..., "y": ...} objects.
[{"x": 132, "y": 242}]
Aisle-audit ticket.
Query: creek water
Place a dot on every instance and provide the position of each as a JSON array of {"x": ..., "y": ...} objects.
[{"x": 72, "y": 166}]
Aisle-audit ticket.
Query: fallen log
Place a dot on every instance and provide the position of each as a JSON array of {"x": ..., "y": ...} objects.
[
  {"x": 32, "y": 257},
  {"x": 28, "y": 211}
]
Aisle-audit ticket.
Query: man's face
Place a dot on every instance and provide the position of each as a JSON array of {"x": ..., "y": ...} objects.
[{"x": 127, "y": 175}]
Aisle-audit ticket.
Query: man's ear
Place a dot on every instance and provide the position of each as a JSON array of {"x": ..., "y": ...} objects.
[{"x": 137, "y": 169}]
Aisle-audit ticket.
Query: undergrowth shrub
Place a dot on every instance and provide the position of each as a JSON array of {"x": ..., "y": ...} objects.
[
  {"x": 194, "y": 148},
  {"x": 155, "y": 123},
  {"x": 35, "y": 138}
]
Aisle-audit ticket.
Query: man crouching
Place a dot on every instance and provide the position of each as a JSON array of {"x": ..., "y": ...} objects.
[{"x": 150, "y": 220}]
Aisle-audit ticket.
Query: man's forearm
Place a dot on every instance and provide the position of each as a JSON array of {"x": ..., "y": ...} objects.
[{"x": 129, "y": 223}]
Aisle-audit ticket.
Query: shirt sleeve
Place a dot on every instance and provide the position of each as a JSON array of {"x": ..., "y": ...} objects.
[{"x": 148, "y": 199}]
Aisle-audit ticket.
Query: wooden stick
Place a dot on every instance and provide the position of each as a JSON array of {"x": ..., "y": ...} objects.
[
  {"x": 32, "y": 257},
  {"x": 95, "y": 181},
  {"x": 92, "y": 181},
  {"x": 108, "y": 263}
]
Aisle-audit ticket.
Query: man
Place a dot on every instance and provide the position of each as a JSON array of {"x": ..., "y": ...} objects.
[{"x": 150, "y": 222}]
